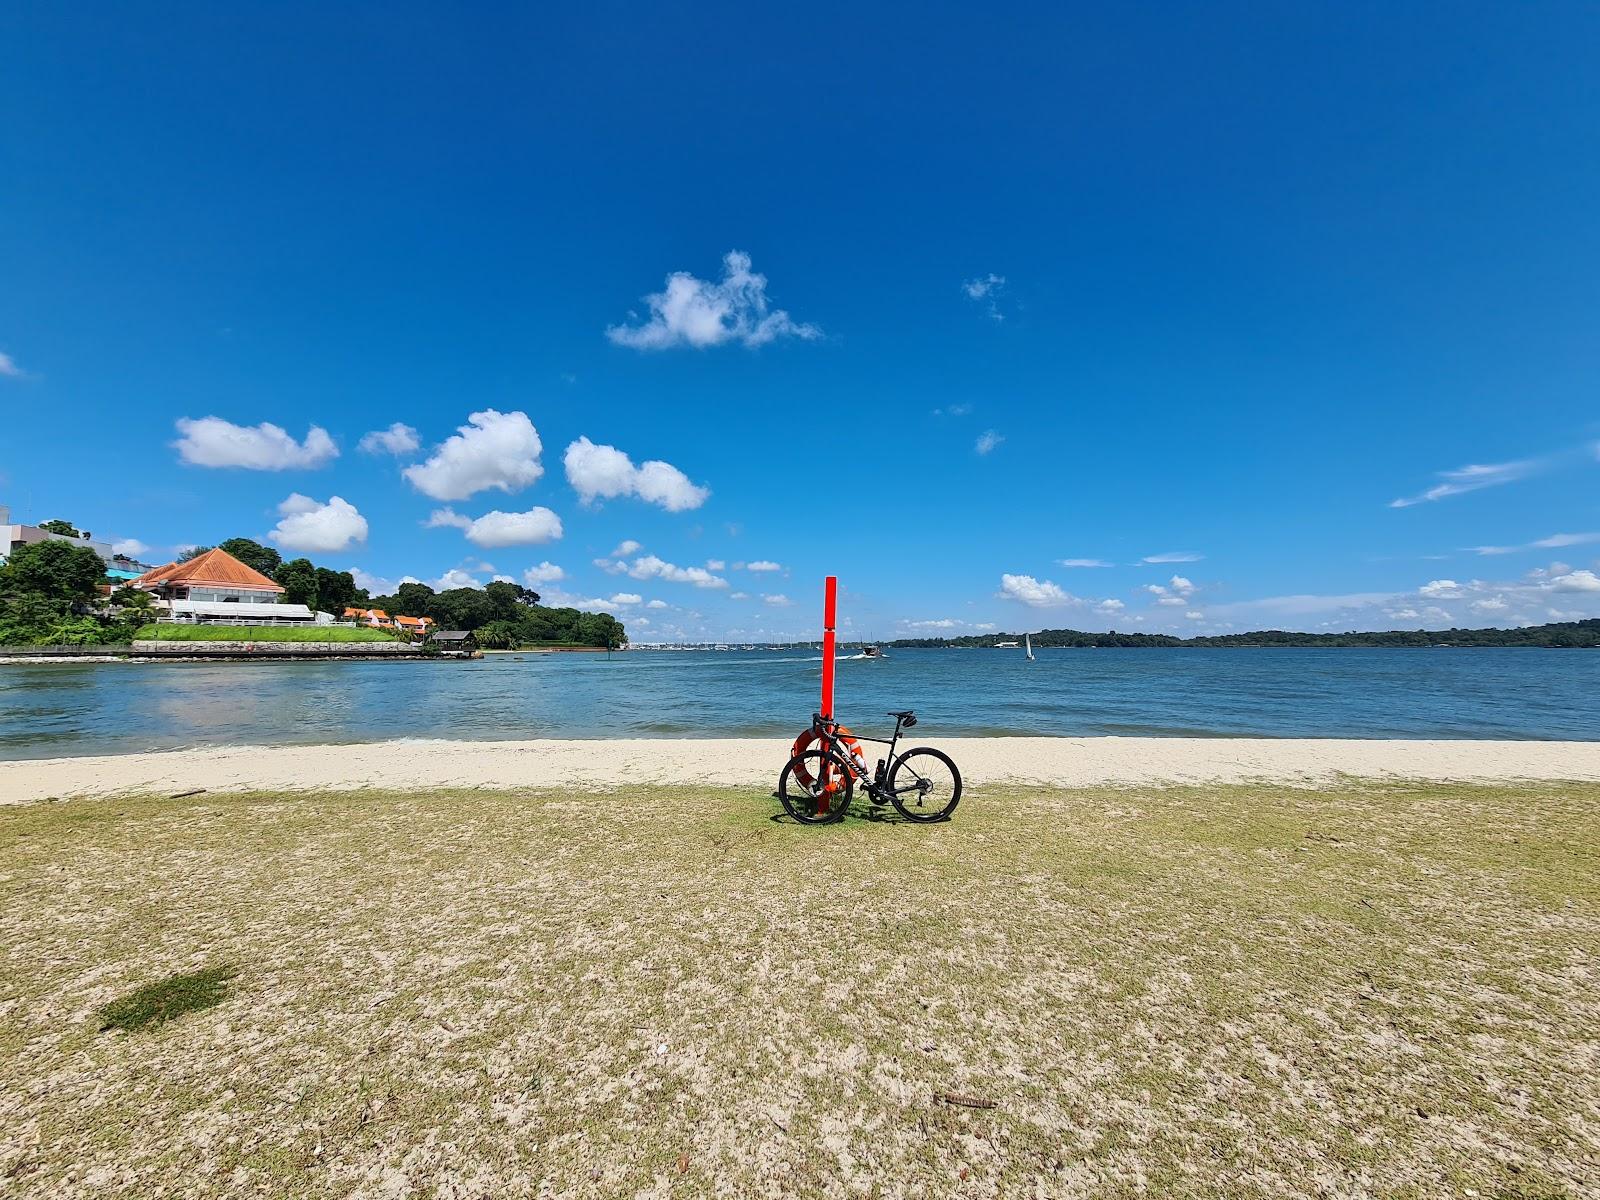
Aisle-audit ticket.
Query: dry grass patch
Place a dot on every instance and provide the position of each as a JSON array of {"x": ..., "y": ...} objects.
[{"x": 1243, "y": 991}]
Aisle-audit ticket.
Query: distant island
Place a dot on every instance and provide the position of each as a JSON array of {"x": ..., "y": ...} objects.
[{"x": 1560, "y": 635}]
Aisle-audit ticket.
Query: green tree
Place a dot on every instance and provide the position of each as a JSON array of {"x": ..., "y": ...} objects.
[
  {"x": 500, "y": 635},
  {"x": 253, "y": 554},
  {"x": 410, "y": 600},
  {"x": 508, "y": 600},
  {"x": 299, "y": 580},
  {"x": 462, "y": 608},
  {"x": 54, "y": 570},
  {"x": 64, "y": 528},
  {"x": 336, "y": 590}
]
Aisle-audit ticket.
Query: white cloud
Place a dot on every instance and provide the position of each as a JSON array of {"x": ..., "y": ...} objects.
[
  {"x": 1490, "y": 606},
  {"x": 625, "y": 548},
  {"x": 1403, "y": 614},
  {"x": 132, "y": 547},
  {"x": 777, "y": 601},
  {"x": 531, "y": 528},
  {"x": 987, "y": 441},
  {"x": 626, "y": 599},
  {"x": 603, "y": 472},
  {"x": 953, "y": 410},
  {"x": 1109, "y": 608},
  {"x": 1173, "y": 594},
  {"x": 987, "y": 289},
  {"x": 1084, "y": 562},
  {"x": 738, "y": 595},
  {"x": 763, "y": 565},
  {"x": 318, "y": 528},
  {"x": 1035, "y": 592},
  {"x": 1194, "y": 616},
  {"x": 656, "y": 604},
  {"x": 1577, "y": 581},
  {"x": 492, "y": 450},
  {"x": 1173, "y": 556},
  {"x": 1554, "y": 542},
  {"x": 375, "y": 585},
  {"x": 651, "y": 567},
  {"x": 1471, "y": 478},
  {"x": 455, "y": 577},
  {"x": 8, "y": 367},
  {"x": 699, "y": 313},
  {"x": 1440, "y": 589},
  {"x": 941, "y": 623},
  {"x": 213, "y": 442},
  {"x": 545, "y": 572},
  {"x": 716, "y": 564},
  {"x": 398, "y": 440}
]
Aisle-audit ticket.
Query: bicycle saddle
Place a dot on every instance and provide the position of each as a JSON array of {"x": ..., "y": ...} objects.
[{"x": 906, "y": 718}]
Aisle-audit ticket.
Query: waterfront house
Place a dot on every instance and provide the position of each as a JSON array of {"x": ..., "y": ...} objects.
[
  {"x": 216, "y": 588},
  {"x": 417, "y": 627},
  {"x": 456, "y": 643}
]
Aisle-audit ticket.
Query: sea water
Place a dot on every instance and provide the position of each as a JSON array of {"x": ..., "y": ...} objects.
[{"x": 50, "y": 709}]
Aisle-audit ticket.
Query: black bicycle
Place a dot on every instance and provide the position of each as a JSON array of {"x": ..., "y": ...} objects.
[{"x": 819, "y": 782}]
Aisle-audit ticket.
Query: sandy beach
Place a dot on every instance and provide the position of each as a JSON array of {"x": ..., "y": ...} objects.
[{"x": 1060, "y": 762}]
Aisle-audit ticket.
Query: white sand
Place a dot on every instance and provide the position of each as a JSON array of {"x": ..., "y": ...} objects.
[{"x": 756, "y": 763}]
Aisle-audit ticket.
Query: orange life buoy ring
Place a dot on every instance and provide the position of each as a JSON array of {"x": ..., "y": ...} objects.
[{"x": 843, "y": 741}]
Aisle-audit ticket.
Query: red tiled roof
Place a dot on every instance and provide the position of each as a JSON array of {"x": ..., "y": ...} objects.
[{"x": 214, "y": 567}]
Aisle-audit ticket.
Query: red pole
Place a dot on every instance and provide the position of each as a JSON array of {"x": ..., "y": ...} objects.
[{"x": 830, "y": 602}]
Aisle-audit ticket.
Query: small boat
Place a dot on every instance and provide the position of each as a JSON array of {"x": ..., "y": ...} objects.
[
  {"x": 1027, "y": 640},
  {"x": 871, "y": 652}
]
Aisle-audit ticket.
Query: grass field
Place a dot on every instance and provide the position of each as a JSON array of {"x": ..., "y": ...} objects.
[
  {"x": 260, "y": 633},
  {"x": 1230, "y": 991}
]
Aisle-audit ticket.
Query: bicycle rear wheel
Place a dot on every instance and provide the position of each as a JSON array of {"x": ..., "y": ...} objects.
[
  {"x": 925, "y": 784},
  {"x": 816, "y": 787}
]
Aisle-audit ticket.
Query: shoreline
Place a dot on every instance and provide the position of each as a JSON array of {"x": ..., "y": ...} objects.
[{"x": 417, "y": 764}]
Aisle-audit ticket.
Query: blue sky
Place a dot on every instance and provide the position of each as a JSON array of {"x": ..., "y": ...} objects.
[{"x": 1207, "y": 285}]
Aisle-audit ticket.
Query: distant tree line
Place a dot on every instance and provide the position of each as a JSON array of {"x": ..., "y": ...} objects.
[
  {"x": 1579, "y": 634},
  {"x": 51, "y": 594},
  {"x": 504, "y": 616}
]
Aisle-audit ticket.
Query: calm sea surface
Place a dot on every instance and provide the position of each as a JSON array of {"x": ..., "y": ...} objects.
[{"x": 52, "y": 709}]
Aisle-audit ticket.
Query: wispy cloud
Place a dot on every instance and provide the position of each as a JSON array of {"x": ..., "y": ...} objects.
[
  {"x": 986, "y": 290},
  {"x": 699, "y": 313},
  {"x": 9, "y": 368},
  {"x": 987, "y": 441},
  {"x": 398, "y": 439},
  {"x": 1554, "y": 542},
  {"x": 953, "y": 410},
  {"x": 1474, "y": 477},
  {"x": 1085, "y": 562},
  {"x": 1173, "y": 556}
]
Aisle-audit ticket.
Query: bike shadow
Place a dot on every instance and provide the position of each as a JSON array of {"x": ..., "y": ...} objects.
[{"x": 860, "y": 810}]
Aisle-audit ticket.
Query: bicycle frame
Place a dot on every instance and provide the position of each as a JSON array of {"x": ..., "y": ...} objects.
[{"x": 830, "y": 744}]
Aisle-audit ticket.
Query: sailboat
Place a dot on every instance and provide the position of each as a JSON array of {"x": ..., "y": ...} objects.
[{"x": 1027, "y": 641}]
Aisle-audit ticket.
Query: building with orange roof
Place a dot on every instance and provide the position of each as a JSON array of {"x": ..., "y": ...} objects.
[{"x": 217, "y": 587}]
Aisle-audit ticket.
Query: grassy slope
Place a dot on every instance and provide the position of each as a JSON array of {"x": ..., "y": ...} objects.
[
  {"x": 260, "y": 633},
  {"x": 1164, "y": 992}
]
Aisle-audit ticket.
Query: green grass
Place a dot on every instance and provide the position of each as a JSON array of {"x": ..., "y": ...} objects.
[
  {"x": 157, "y": 1003},
  {"x": 1360, "y": 990},
  {"x": 261, "y": 633}
]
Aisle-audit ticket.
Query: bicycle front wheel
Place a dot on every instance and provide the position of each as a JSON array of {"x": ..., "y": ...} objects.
[
  {"x": 816, "y": 787},
  {"x": 925, "y": 784}
]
